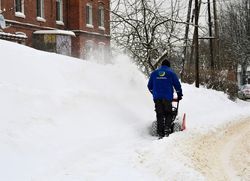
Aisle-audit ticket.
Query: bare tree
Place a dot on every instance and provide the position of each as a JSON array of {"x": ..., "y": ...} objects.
[
  {"x": 234, "y": 34},
  {"x": 145, "y": 30},
  {"x": 233, "y": 25}
]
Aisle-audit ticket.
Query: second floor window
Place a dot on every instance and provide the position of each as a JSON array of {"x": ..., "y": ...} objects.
[
  {"x": 89, "y": 16},
  {"x": 40, "y": 8},
  {"x": 59, "y": 10},
  {"x": 19, "y": 6},
  {"x": 101, "y": 16}
]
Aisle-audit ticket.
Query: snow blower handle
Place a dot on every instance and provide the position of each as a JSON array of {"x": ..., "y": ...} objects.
[
  {"x": 175, "y": 100},
  {"x": 177, "y": 106}
]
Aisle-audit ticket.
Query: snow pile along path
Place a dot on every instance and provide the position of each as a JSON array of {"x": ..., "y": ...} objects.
[{"x": 223, "y": 154}]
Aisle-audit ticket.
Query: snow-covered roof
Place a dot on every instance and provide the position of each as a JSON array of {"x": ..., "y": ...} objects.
[{"x": 56, "y": 32}]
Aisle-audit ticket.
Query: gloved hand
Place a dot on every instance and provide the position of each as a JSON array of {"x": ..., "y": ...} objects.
[{"x": 179, "y": 97}]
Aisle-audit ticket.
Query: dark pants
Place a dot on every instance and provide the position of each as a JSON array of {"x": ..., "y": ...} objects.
[{"x": 163, "y": 109}]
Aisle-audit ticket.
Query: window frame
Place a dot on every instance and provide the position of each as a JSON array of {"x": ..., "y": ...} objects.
[
  {"x": 19, "y": 8},
  {"x": 89, "y": 15},
  {"x": 89, "y": 49},
  {"x": 59, "y": 17},
  {"x": 101, "y": 50},
  {"x": 101, "y": 17},
  {"x": 40, "y": 8}
]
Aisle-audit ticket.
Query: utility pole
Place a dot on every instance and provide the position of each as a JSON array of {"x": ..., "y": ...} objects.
[
  {"x": 245, "y": 64},
  {"x": 216, "y": 33},
  {"x": 192, "y": 48},
  {"x": 211, "y": 48},
  {"x": 186, "y": 36},
  {"x": 248, "y": 19},
  {"x": 196, "y": 44}
]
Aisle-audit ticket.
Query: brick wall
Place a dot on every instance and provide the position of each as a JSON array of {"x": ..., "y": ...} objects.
[
  {"x": 74, "y": 18},
  {"x": 30, "y": 13}
]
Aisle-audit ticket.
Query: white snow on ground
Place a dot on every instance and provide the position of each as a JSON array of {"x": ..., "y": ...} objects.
[{"x": 67, "y": 119}]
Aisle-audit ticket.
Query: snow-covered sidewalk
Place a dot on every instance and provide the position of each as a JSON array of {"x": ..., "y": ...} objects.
[{"x": 222, "y": 154}]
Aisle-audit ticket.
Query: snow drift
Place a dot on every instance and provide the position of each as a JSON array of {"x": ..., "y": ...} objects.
[{"x": 68, "y": 119}]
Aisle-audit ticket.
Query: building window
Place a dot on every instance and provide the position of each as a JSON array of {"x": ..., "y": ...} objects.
[
  {"x": 19, "y": 8},
  {"x": 63, "y": 44},
  {"x": 59, "y": 11},
  {"x": 21, "y": 35},
  {"x": 89, "y": 16},
  {"x": 89, "y": 50},
  {"x": 101, "y": 52},
  {"x": 101, "y": 17},
  {"x": 40, "y": 8}
]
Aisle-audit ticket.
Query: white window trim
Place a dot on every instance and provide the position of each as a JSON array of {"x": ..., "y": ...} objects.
[
  {"x": 101, "y": 27},
  {"x": 40, "y": 19},
  {"x": 21, "y": 34},
  {"x": 90, "y": 25},
  {"x": 59, "y": 22},
  {"x": 101, "y": 43},
  {"x": 0, "y": 6},
  {"x": 20, "y": 15}
]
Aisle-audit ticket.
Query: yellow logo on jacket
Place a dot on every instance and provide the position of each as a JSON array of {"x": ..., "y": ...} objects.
[{"x": 162, "y": 73}]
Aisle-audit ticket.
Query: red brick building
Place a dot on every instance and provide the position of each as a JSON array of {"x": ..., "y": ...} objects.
[{"x": 73, "y": 27}]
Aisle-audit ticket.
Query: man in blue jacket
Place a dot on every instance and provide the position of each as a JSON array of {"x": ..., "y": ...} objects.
[{"x": 161, "y": 84}]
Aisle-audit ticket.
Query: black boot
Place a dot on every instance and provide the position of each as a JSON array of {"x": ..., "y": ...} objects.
[
  {"x": 167, "y": 132},
  {"x": 161, "y": 136}
]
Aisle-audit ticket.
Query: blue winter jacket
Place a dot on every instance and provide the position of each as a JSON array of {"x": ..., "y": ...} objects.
[{"x": 161, "y": 83}]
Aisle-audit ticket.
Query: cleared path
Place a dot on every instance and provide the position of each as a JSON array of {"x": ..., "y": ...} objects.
[{"x": 224, "y": 154}]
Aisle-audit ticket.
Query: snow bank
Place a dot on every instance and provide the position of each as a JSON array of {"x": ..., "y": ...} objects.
[
  {"x": 207, "y": 109},
  {"x": 68, "y": 119}
]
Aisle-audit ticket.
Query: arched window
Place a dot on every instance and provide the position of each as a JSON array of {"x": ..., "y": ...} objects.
[
  {"x": 21, "y": 35},
  {"x": 89, "y": 49},
  {"x": 101, "y": 51}
]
